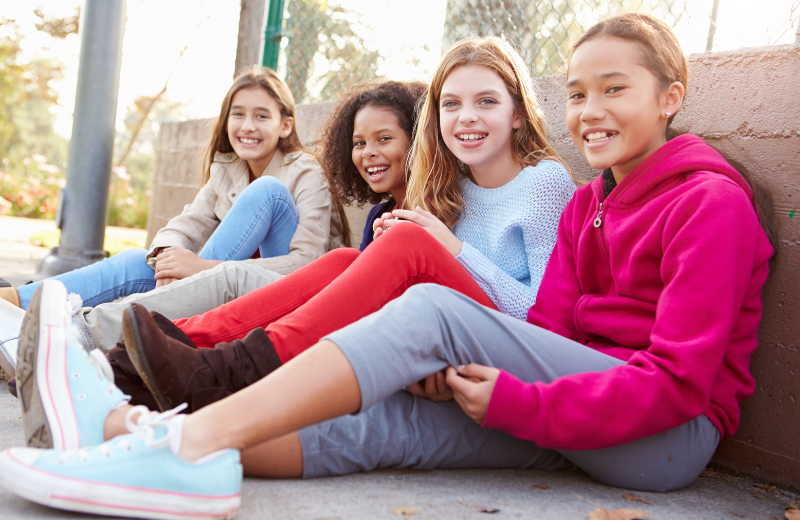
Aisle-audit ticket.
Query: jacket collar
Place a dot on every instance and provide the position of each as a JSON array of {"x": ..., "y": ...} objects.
[{"x": 682, "y": 155}]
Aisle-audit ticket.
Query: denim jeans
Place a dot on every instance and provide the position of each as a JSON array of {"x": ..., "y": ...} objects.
[{"x": 264, "y": 218}]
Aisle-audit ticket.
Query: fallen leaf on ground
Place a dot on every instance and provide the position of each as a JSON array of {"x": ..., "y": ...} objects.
[
  {"x": 405, "y": 511},
  {"x": 479, "y": 509},
  {"x": 765, "y": 499},
  {"x": 765, "y": 487},
  {"x": 636, "y": 499},
  {"x": 617, "y": 514},
  {"x": 541, "y": 486}
]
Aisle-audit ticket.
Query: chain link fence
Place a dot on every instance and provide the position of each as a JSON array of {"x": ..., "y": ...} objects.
[{"x": 328, "y": 46}]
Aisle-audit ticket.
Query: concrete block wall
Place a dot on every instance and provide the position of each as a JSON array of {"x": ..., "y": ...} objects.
[{"x": 744, "y": 102}]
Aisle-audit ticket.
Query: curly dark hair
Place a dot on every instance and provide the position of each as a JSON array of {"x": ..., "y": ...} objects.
[{"x": 336, "y": 145}]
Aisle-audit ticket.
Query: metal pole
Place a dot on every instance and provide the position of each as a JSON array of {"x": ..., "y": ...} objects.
[
  {"x": 712, "y": 27},
  {"x": 84, "y": 200},
  {"x": 272, "y": 35}
]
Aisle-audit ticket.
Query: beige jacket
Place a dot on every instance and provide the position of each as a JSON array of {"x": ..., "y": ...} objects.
[{"x": 299, "y": 171}]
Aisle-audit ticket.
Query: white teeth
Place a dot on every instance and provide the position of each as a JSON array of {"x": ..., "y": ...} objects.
[
  {"x": 599, "y": 136},
  {"x": 377, "y": 169},
  {"x": 248, "y": 141},
  {"x": 471, "y": 137}
]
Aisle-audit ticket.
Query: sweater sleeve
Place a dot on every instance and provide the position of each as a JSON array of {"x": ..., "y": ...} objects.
[
  {"x": 549, "y": 194},
  {"x": 314, "y": 205},
  {"x": 710, "y": 249},
  {"x": 560, "y": 289}
]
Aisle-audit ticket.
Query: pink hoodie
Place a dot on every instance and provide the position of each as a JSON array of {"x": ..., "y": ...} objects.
[{"x": 670, "y": 282}]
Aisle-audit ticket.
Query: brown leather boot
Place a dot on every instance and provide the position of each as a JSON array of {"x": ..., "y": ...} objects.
[
  {"x": 176, "y": 373},
  {"x": 127, "y": 378}
]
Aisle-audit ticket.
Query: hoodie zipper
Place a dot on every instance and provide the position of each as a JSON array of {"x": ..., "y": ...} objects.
[{"x": 599, "y": 220}]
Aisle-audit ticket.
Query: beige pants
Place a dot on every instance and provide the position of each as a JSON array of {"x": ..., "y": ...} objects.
[{"x": 101, "y": 326}]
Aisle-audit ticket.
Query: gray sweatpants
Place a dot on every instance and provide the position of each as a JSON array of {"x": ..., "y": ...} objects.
[
  {"x": 431, "y": 327},
  {"x": 194, "y": 295}
]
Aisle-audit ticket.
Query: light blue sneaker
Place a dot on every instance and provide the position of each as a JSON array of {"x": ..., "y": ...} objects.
[
  {"x": 135, "y": 475},
  {"x": 64, "y": 394}
]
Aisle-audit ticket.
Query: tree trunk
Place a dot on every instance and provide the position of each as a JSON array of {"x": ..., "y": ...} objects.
[{"x": 251, "y": 34}]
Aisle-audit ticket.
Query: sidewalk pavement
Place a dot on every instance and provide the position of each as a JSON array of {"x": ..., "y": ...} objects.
[{"x": 418, "y": 495}]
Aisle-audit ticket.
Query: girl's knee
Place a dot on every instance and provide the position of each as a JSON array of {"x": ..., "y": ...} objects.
[
  {"x": 267, "y": 188},
  {"x": 131, "y": 258},
  {"x": 343, "y": 256},
  {"x": 405, "y": 233}
]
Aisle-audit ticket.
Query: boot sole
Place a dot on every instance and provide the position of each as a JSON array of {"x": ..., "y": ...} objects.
[
  {"x": 42, "y": 384},
  {"x": 135, "y": 348}
]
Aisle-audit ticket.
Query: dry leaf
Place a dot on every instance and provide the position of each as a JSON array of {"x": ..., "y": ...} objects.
[
  {"x": 541, "y": 486},
  {"x": 617, "y": 514},
  {"x": 405, "y": 511},
  {"x": 636, "y": 499},
  {"x": 792, "y": 514},
  {"x": 479, "y": 509},
  {"x": 765, "y": 499},
  {"x": 765, "y": 487}
]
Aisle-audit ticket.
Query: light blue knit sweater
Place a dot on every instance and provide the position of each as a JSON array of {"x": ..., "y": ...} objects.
[{"x": 510, "y": 231}]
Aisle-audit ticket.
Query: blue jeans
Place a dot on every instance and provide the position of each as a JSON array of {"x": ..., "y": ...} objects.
[{"x": 264, "y": 218}]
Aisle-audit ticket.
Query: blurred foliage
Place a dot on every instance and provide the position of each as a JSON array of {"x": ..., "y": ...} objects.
[
  {"x": 33, "y": 158},
  {"x": 331, "y": 34},
  {"x": 58, "y": 27}
]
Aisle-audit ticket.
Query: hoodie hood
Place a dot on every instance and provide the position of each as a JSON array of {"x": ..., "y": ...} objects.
[{"x": 684, "y": 154}]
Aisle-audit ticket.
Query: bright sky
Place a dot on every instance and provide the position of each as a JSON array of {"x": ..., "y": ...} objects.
[{"x": 156, "y": 31}]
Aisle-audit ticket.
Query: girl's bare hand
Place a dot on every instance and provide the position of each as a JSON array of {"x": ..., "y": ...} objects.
[
  {"x": 378, "y": 226},
  {"x": 431, "y": 224},
  {"x": 432, "y": 387},
  {"x": 179, "y": 263},
  {"x": 164, "y": 281},
  {"x": 472, "y": 387}
]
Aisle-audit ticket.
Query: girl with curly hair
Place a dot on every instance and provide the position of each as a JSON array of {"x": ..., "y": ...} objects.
[{"x": 365, "y": 145}]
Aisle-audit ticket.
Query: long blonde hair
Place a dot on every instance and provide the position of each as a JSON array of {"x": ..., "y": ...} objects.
[{"x": 435, "y": 171}]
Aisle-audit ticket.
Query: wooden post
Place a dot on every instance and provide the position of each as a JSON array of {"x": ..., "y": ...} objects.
[{"x": 251, "y": 30}]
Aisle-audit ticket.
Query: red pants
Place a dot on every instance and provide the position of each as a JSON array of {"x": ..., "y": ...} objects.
[{"x": 334, "y": 291}]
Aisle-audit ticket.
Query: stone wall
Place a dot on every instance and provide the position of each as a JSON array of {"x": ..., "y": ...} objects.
[{"x": 744, "y": 102}]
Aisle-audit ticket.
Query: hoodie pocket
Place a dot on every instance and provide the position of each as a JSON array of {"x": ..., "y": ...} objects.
[{"x": 625, "y": 321}]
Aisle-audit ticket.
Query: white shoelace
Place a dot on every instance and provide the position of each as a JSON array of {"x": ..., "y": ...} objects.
[
  {"x": 144, "y": 426},
  {"x": 147, "y": 421},
  {"x": 74, "y": 304}
]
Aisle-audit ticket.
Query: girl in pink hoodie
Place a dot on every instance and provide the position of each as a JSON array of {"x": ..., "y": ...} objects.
[{"x": 632, "y": 366}]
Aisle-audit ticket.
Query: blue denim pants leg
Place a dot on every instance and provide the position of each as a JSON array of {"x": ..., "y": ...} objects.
[
  {"x": 264, "y": 218},
  {"x": 121, "y": 275}
]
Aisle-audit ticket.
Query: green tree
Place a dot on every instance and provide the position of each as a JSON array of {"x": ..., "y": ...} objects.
[{"x": 26, "y": 99}]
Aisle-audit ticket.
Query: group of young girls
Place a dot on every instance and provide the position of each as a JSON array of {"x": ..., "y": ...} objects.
[{"x": 494, "y": 316}]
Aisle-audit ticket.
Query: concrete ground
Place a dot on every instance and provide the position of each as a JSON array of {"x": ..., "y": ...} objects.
[{"x": 419, "y": 495}]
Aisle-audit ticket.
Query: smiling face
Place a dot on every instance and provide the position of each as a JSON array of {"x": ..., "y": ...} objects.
[
  {"x": 254, "y": 126},
  {"x": 380, "y": 147},
  {"x": 476, "y": 118},
  {"x": 616, "y": 109}
]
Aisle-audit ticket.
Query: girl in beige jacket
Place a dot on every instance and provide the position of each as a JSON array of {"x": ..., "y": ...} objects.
[{"x": 264, "y": 202}]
